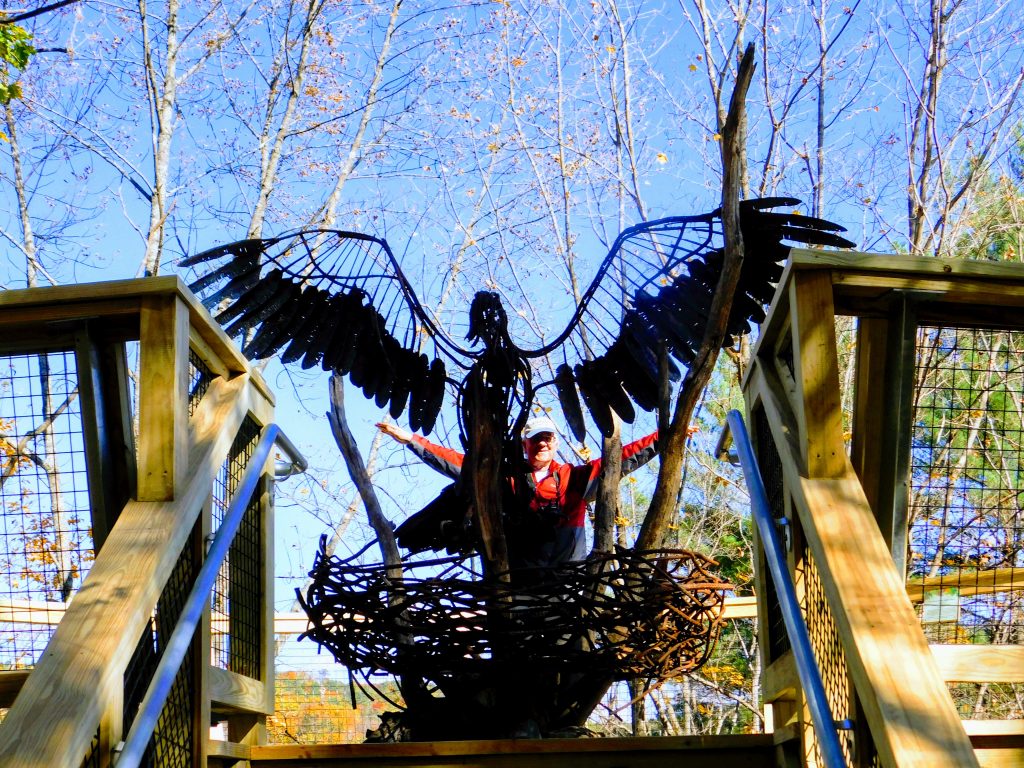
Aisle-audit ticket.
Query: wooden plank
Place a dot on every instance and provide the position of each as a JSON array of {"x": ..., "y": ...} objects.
[
  {"x": 906, "y": 703},
  {"x": 817, "y": 374},
  {"x": 921, "y": 267},
  {"x": 741, "y": 751},
  {"x": 57, "y": 713},
  {"x": 231, "y": 691},
  {"x": 132, "y": 289},
  {"x": 268, "y": 645},
  {"x": 744, "y": 607},
  {"x": 992, "y": 754},
  {"x": 124, "y": 298},
  {"x": 122, "y": 310},
  {"x": 205, "y": 352},
  {"x": 32, "y": 611},
  {"x": 977, "y": 583},
  {"x": 994, "y": 727},
  {"x": 163, "y": 397},
  {"x": 780, "y": 680},
  {"x": 869, "y": 424},
  {"x": 775, "y": 324},
  {"x": 228, "y": 749},
  {"x": 880, "y": 450},
  {"x": 980, "y": 663}
]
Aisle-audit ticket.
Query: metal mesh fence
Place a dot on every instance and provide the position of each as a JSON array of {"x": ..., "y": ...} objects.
[
  {"x": 46, "y": 546},
  {"x": 313, "y": 701},
  {"x": 200, "y": 376},
  {"x": 173, "y": 739},
  {"x": 771, "y": 474},
  {"x": 966, "y": 558},
  {"x": 92, "y": 756},
  {"x": 236, "y": 601},
  {"x": 831, "y": 662}
]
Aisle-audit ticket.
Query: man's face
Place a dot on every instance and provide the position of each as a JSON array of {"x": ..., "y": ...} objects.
[{"x": 540, "y": 449}]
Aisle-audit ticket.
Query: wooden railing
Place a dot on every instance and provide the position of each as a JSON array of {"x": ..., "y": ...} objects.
[
  {"x": 72, "y": 706},
  {"x": 874, "y": 657}
]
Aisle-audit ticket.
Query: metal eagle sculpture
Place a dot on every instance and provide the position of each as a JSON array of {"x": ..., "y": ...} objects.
[
  {"x": 502, "y": 651},
  {"x": 339, "y": 300}
]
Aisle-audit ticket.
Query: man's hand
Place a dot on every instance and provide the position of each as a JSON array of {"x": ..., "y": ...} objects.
[{"x": 394, "y": 431}]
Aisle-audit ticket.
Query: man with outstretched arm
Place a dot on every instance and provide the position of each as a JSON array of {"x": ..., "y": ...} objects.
[{"x": 545, "y": 511}]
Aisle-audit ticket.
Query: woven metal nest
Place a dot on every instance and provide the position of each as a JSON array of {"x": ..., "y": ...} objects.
[{"x": 652, "y": 615}]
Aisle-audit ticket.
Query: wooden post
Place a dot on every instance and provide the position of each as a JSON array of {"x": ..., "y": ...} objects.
[
  {"x": 880, "y": 452},
  {"x": 163, "y": 392},
  {"x": 817, "y": 374}
]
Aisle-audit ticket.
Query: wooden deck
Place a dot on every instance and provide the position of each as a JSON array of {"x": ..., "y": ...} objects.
[{"x": 752, "y": 751}]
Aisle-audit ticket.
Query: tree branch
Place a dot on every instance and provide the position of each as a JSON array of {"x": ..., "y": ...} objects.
[
  {"x": 357, "y": 469},
  {"x": 20, "y": 17},
  {"x": 666, "y": 493}
]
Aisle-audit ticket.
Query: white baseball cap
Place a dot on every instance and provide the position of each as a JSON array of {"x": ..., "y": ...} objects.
[{"x": 538, "y": 425}]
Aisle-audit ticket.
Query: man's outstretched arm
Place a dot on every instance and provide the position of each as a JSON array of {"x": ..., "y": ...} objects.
[{"x": 437, "y": 457}]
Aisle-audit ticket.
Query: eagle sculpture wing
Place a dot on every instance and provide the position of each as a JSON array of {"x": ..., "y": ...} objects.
[
  {"x": 334, "y": 299},
  {"x": 339, "y": 300},
  {"x": 653, "y": 293}
]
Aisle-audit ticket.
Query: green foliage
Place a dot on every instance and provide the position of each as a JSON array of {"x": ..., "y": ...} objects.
[{"x": 15, "y": 51}]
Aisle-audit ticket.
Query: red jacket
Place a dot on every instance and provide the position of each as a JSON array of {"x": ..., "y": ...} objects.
[{"x": 551, "y": 529}]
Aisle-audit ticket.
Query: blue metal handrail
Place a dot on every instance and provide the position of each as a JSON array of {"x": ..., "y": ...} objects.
[
  {"x": 134, "y": 746},
  {"x": 806, "y": 667}
]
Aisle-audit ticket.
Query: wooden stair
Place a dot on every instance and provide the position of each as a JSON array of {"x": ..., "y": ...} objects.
[{"x": 743, "y": 751}]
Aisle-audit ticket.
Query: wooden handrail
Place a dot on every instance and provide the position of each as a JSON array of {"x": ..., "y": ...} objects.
[{"x": 58, "y": 712}]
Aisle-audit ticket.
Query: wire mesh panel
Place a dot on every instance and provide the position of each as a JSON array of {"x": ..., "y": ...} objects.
[
  {"x": 313, "y": 702},
  {"x": 831, "y": 662},
  {"x": 199, "y": 377},
  {"x": 237, "y": 599},
  {"x": 172, "y": 742},
  {"x": 966, "y": 558},
  {"x": 771, "y": 475},
  {"x": 46, "y": 545},
  {"x": 93, "y": 755}
]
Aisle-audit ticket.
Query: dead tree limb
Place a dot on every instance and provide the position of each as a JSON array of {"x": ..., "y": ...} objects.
[{"x": 666, "y": 492}]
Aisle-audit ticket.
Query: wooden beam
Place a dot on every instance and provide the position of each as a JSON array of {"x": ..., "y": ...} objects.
[
  {"x": 977, "y": 583},
  {"x": 994, "y": 727},
  {"x": 124, "y": 298},
  {"x": 780, "y": 680},
  {"x": 229, "y": 690},
  {"x": 744, "y": 607},
  {"x": 999, "y": 751},
  {"x": 163, "y": 397},
  {"x": 980, "y": 663},
  {"x": 215, "y": 748},
  {"x": 880, "y": 449},
  {"x": 736, "y": 751},
  {"x": 817, "y": 374},
  {"x": 56, "y": 716},
  {"x": 923, "y": 269},
  {"x": 205, "y": 353}
]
